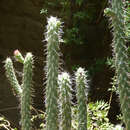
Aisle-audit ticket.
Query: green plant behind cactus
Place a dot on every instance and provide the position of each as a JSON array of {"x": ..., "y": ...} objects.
[
  {"x": 81, "y": 84},
  {"x": 65, "y": 100},
  {"x": 53, "y": 38}
]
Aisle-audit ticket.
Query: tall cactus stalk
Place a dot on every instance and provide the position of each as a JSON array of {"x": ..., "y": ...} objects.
[
  {"x": 24, "y": 90},
  {"x": 81, "y": 85},
  {"x": 26, "y": 94},
  {"x": 53, "y": 37},
  {"x": 121, "y": 58},
  {"x": 65, "y": 100}
]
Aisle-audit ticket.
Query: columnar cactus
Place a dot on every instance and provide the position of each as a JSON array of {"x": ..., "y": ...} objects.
[
  {"x": 24, "y": 90},
  {"x": 121, "y": 58},
  {"x": 26, "y": 94},
  {"x": 65, "y": 100},
  {"x": 53, "y": 38},
  {"x": 81, "y": 87},
  {"x": 10, "y": 73}
]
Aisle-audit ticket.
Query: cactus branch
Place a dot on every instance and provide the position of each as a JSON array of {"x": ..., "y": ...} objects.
[
  {"x": 26, "y": 94},
  {"x": 10, "y": 73},
  {"x": 53, "y": 37},
  {"x": 121, "y": 58},
  {"x": 81, "y": 85},
  {"x": 65, "y": 100}
]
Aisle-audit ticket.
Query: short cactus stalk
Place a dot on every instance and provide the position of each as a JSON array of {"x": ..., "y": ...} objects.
[
  {"x": 81, "y": 86},
  {"x": 121, "y": 58},
  {"x": 65, "y": 100},
  {"x": 26, "y": 94},
  {"x": 10, "y": 73},
  {"x": 53, "y": 38}
]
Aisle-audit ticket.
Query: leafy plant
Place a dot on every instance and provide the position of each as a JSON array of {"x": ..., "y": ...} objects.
[{"x": 97, "y": 116}]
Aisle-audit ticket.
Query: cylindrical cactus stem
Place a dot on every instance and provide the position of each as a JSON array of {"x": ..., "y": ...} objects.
[
  {"x": 26, "y": 94},
  {"x": 121, "y": 59},
  {"x": 81, "y": 86},
  {"x": 65, "y": 100},
  {"x": 53, "y": 37},
  {"x": 10, "y": 73}
]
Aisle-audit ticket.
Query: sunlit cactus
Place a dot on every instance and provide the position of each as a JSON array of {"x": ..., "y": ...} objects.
[
  {"x": 81, "y": 87},
  {"x": 53, "y": 38},
  {"x": 10, "y": 73},
  {"x": 26, "y": 101},
  {"x": 65, "y": 100},
  {"x": 24, "y": 90},
  {"x": 120, "y": 56}
]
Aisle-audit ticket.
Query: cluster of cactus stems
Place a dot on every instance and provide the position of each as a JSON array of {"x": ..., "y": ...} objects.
[
  {"x": 116, "y": 14},
  {"x": 24, "y": 90},
  {"x": 58, "y": 86}
]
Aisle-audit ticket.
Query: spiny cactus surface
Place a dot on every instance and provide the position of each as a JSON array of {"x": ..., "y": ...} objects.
[
  {"x": 26, "y": 94},
  {"x": 81, "y": 87},
  {"x": 65, "y": 100},
  {"x": 10, "y": 73},
  {"x": 53, "y": 38},
  {"x": 121, "y": 57}
]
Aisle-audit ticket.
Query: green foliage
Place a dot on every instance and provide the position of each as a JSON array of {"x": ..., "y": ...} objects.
[
  {"x": 72, "y": 36},
  {"x": 43, "y": 11},
  {"x": 97, "y": 116},
  {"x": 98, "y": 66},
  {"x": 79, "y": 2},
  {"x": 76, "y": 13}
]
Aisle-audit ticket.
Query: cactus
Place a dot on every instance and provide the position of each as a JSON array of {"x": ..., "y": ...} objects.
[
  {"x": 26, "y": 94},
  {"x": 10, "y": 73},
  {"x": 121, "y": 58},
  {"x": 53, "y": 37},
  {"x": 24, "y": 90},
  {"x": 81, "y": 86},
  {"x": 65, "y": 100}
]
